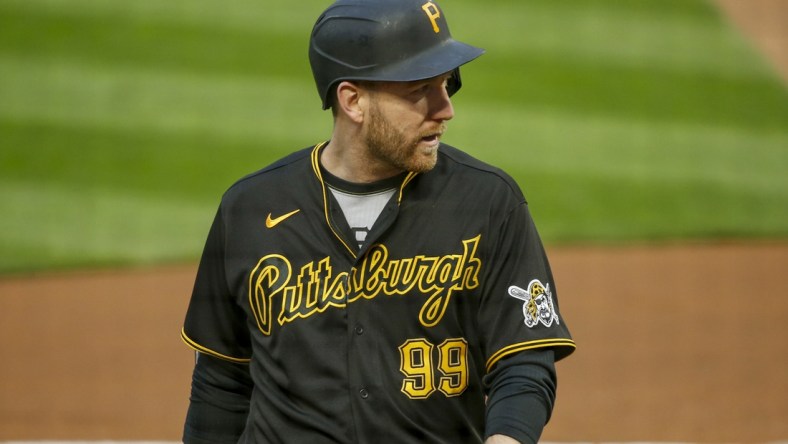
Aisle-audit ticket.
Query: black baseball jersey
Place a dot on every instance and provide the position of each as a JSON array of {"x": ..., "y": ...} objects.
[{"x": 346, "y": 343}]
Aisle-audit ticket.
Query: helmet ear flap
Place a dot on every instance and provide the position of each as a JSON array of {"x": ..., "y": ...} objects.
[{"x": 454, "y": 83}]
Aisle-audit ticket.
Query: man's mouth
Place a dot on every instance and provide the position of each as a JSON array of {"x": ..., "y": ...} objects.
[{"x": 432, "y": 137}]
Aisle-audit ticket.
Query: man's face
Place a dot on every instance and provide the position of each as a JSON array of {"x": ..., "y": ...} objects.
[{"x": 405, "y": 121}]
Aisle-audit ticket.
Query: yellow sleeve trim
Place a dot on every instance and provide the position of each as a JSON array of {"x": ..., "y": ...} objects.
[
  {"x": 208, "y": 351},
  {"x": 530, "y": 345}
]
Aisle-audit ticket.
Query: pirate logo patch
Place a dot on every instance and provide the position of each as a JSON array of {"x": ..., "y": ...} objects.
[{"x": 537, "y": 303}]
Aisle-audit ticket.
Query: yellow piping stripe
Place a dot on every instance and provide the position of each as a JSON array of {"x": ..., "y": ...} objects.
[
  {"x": 514, "y": 348},
  {"x": 316, "y": 169},
  {"x": 208, "y": 351},
  {"x": 407, "y": 180}
]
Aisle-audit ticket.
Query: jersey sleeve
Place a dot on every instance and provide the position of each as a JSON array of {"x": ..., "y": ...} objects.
[
  {"x": 519, "y": 309},
  {"x": 215, "y": 324}
]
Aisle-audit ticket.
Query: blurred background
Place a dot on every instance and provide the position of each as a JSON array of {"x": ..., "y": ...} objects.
[{"x": 649, "y": 136}]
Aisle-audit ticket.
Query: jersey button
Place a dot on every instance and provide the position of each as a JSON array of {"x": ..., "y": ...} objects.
[
  {"x": 359, "y": 330},
  {"x": 363, "y": 393}
]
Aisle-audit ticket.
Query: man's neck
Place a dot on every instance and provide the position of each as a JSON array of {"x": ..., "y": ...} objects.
[{"x": 351, "y": 162}]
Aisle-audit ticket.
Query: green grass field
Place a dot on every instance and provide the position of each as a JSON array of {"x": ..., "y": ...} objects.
[{"x": 121, "y": 123}]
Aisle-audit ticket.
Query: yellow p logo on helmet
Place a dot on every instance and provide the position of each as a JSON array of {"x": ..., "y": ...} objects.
[{"x": 432, "y": 11}]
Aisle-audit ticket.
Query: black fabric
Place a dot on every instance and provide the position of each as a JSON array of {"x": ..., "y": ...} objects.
[
  {"x": 522, "y": 392},
  {"x": 452, "y": 285},
  {"x": 219, "y": 402}
]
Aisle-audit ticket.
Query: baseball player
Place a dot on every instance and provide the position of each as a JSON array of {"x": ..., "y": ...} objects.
[{"x": 381, "y": 286}]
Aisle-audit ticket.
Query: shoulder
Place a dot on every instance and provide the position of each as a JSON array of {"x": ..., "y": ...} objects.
[
  {"x": 274, "y": 171},
  {"x": 273, "y": 176},
  {"x": 461, "y": 165}
]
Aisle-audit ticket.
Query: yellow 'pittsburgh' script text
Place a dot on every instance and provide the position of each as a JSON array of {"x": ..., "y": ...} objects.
[{"x": 317, "y": 288}]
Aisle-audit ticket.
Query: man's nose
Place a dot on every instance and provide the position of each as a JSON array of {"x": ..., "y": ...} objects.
[{"x": 441, "y": 107}]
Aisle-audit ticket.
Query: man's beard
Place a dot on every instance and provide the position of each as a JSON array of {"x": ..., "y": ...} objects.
[{"x": 391, "y": 146}]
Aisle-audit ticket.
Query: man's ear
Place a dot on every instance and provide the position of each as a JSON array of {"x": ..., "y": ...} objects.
[{"x": 352, "y": 100}]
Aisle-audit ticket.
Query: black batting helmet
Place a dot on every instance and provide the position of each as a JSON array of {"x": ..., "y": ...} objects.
[{"x": 384, "y": 40}]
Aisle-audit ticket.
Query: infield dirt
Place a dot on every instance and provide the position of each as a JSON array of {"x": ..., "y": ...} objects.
[{"x": 675, "y": 343}]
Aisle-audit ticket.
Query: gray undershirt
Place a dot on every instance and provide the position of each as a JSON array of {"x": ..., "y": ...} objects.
[{"x": 362, "y": 210}]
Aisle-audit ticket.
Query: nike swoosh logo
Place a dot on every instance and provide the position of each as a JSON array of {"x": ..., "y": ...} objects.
[{"x": 271, "y": 223}]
